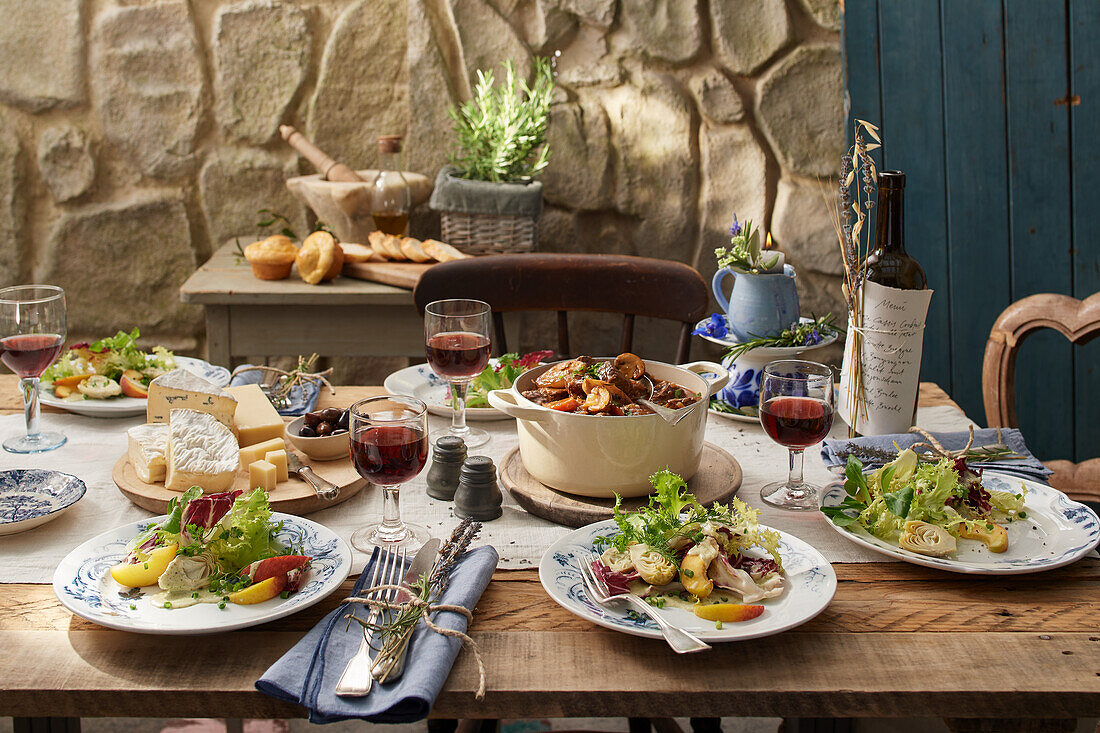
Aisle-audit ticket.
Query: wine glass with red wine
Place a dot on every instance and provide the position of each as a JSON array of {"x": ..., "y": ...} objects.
[
  {"x": 32, "y": 332},
  {"x": 389, "y": 446},
  {"x": 456, "y": 340},
  {"x": 796, "y": 410}
]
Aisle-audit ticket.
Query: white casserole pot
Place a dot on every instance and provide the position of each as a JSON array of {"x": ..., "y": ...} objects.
[{"x": 601, "y": 455}]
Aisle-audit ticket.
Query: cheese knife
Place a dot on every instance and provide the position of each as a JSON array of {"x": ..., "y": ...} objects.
[{"x": 322, "y": 487}]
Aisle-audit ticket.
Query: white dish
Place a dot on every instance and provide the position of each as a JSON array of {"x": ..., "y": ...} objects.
[
  {"x": 31, "y": 496},
  {"x": 810, "y": 585},
  {"x": 771, "y": 352},
  {"x": 130, "y": 406},
  {"x": 421, "y": 382},
  {"x": 1056, "y": 532},
  {"x": 84, "y": 585},
  {"x": 754, "y": 419}
]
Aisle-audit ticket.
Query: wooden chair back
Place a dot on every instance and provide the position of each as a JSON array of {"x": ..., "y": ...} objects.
[
  {"x": 1078, "y": 321},
  {"x": 632, "y": 286}
]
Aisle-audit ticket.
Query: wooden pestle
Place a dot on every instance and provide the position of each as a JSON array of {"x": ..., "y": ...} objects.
[{"x": 330, "y": 169}]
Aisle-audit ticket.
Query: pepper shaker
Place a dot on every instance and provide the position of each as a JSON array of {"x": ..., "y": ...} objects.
[
  {"x": 447, "y": 457},
  {"x": 478, "y": 497}
]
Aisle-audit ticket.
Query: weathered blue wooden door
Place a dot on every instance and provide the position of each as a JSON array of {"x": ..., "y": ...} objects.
[{"x": 992, "y": 109}]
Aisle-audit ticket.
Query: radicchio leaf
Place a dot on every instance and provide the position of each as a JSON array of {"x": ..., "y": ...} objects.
[
  {"x": 616, "y": 582},
  {"x": 977, "y": 497},
  {"x": 206, "y": 511}
]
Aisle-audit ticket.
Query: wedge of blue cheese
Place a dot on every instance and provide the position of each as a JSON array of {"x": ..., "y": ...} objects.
[
  {"x": 180, "y": 389},
  {"x": 201, "y": 452},
  {"x": 147, "y": 449}
]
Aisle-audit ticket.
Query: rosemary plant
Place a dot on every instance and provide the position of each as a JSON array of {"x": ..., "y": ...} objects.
[
  {"x": 501, "y": 132},
  {"x": 810, "y": 333}
]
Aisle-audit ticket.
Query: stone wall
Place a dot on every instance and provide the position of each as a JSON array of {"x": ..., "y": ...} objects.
[{"x": 137, "y": 135}]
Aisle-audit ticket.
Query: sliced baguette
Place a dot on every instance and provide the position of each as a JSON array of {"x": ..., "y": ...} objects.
[
  {"x": 391, "y": 247},
  {"x": 441, "y": 251},
  {"x": 375, "y": 238},
  {"x": 354, "y": 252},
  {"x": 412, "y": 249}
]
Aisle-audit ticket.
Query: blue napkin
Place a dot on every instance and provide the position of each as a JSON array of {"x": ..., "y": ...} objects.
[
  {"x": 303, "y": 397},
  {"x": 1028, "y": 467},
  {"x": 307, "y": 674}
]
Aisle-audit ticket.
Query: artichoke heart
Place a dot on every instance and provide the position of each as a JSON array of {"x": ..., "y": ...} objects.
[
  {"x": 654, "y": 567},
  {"x": 927, "y": 539},
  {"x": 617, "y": 560}
]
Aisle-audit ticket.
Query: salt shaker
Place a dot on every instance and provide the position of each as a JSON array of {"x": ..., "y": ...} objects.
[
  {"x": 447, "y": 457},
  {"x": 478, "y": 497}
]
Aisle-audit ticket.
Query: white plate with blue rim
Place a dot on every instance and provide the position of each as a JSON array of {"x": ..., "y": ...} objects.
[
  {"x": 84, "y": 585},
  {"x": 421, "y": 382},
  {"x": 810, "y": 584},
  {"x": 30, "y": 497},
  {"x": 123, "y": 406},
  {"x": 1055, "y": 532}
]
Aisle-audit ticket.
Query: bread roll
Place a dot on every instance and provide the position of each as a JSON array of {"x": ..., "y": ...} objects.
[{"x": 272, "y": 258}]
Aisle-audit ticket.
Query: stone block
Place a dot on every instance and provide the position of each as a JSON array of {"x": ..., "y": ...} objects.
[
  {"x": 717, "y": 98},
  {"x": 579, "y": 174},
  {"x": 236, "y": 184},
  {"x": 13, "y": 207},
  {"x": 826, "y": 13},
  {"x": 122, "y": 264},
  {"x": 546, "y": 24},
  {"x": 431, "y": 93},
  {"x": 66, "y": 162},
  {"x": 800, "y": 107},
  {"x": 148, "y": 83},
  {"x": 599, "y": 13},
  {"x": 748, "y": 32},
  {"x": 802, "y": 227},
  {"x": 261, "y": 54},
  {"x": 664, "y": 29},
  {"x": 488, "y": 40},
  {"x": 586, "y": 60},
  {"x": 42, "y": 44},
  {"x": 362, "y": 89}
]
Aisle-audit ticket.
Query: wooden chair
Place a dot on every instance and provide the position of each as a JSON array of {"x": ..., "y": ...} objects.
[
  {"x": 1078, "y": 321},
  {"x": 632, "y": 286}
]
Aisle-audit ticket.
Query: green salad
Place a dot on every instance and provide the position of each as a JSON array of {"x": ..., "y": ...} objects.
[
  {"x": 501, "y": 375},
  {"x": 107, "y": 368}
]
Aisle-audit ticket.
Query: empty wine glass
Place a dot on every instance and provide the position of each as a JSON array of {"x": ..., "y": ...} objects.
[
  {"x": 32, "y": 332},
  {"x": 389, "y": 446},
  {"x": 796, "y": 410},
  {"x": 457, "y": 343}
]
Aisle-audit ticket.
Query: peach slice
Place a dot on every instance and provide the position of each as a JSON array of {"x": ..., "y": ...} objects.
[
  {"x": 71, "y": 381},
  {"x": 145, "y": 571},
  {"x": 61, "y": 391},
  {"x": 132, "y": 386},
  {"x": 728, "y": 612},
  {"x": 265, "y": 590}
]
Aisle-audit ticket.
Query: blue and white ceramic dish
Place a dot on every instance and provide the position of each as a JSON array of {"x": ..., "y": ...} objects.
[
  {"x": 421, "y": 382},
  {"x": 1056, "y": 532},
  {"x": 130, "y": 406},
  {"x": 810, "y": 585},
  {"x": 31, "y": 496},
  {"x": 84, "y": 585}
]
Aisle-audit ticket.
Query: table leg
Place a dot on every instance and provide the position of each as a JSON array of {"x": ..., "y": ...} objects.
[
  {"x": 1011, "y": 725},
  {"x": 217, "y": 335},
  {"x": 46, "y": 725}
]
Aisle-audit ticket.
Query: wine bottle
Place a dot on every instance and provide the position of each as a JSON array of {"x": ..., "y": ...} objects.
[{"x": 889, "y": 264}]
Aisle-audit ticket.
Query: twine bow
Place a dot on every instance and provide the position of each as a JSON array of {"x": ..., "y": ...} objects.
[
  {"x": 936, "y": 448},
  {"x": 426, "y": 608}
]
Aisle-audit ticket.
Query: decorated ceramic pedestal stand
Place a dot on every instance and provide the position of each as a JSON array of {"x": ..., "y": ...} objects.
[{"x": 740, "y": 398}]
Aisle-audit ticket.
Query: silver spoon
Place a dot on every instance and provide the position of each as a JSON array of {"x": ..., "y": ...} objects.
[{"x": 672, "y": 417}]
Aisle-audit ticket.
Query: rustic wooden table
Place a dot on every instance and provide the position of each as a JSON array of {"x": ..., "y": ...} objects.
[
  {"x": 898, "y": 640},
  {"x": 246, "y": 316}
]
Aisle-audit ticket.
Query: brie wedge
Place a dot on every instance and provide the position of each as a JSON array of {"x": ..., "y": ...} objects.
[
  {"x": 147, "y": 450},
  {"x": 201, "y": 452}
]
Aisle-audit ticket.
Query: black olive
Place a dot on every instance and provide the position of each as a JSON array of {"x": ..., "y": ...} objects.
[
  {"x": 312, "y": 418},
  {"x": 331, "y": 414},
  {"x": 323, "y": 429},
  {"x": 307, "y": 432},
  {"x": 344, "y": 419}
]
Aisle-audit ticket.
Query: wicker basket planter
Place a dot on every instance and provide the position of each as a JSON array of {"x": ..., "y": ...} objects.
[{"x": 482, "y": 218}]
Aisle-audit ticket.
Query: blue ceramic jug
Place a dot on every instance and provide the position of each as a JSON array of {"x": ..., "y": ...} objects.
[{"x": 759, "y": 305}]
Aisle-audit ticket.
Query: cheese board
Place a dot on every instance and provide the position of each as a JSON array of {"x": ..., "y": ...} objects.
[
  {"x": 399, "y": 274},
  {"x": 293, "y": 496}
]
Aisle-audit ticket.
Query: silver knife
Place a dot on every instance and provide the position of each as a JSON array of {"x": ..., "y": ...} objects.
[{"x": 424, "y": 561}]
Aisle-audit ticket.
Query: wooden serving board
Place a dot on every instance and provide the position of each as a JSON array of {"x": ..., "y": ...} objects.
[
  {"x": 400, "y": 274},
  {"x": 294, "y": 496},
  {"x": 718, "y": 478}
]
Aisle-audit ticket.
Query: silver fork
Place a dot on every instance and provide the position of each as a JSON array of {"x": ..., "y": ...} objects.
[
  {"x": 681, "y": 641},
  {"x": 356, "y": 680}
]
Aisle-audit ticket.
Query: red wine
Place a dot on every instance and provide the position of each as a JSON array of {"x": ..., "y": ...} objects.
[
  {"x": 388, "y": 455},
  {"x": 28, "y": 355},
  {"x": 458, "y": 354},
  {"x": 796, "y": 422}
]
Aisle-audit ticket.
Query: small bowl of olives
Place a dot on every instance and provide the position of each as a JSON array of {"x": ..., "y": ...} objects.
[{"x": 321, "y": 435}]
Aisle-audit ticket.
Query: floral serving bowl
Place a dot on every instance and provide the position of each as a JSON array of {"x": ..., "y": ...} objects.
[{"x": 30, "y": 497}]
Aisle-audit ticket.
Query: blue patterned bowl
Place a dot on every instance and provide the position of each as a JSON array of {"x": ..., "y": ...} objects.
[{"x": 30, "y": 497}]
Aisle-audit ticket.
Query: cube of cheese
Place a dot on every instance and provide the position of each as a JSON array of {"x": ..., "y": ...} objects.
[
  {"x": 253, "y": 453},
  {"x": 262, "y": 475},
  {"x": 147, "y": 451},
  {"x": 201, "y": 452},
  {"x": 256, "y": 418},
  {"x": 277, "y": 458},
  {"x": 180, "y": 389}
]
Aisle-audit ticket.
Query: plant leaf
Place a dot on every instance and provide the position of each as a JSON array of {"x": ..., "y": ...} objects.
[
  {"x": 871, "y": 130},
  {"x": 851, "y": 177},
  {"x": 898, "y": 502}
]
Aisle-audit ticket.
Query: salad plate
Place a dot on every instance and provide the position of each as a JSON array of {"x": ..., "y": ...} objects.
[
  {"x": 1056, "y": 531},
  {"x": 809, "y": 579},
  {"x": 84, "y": 585},
  {"x": 30, "y": 497},
  {"x": 123, "y": 406}
]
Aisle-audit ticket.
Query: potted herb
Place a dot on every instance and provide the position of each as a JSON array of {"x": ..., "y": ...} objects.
[{"x": 488, "y": 198}]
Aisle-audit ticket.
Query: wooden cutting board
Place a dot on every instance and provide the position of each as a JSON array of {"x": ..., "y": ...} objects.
[
  {"x": 399, "y": 274},
  {"x": 294, "y": 496},
  {"x": 718, "y": 478}
]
